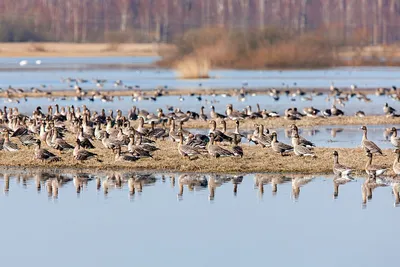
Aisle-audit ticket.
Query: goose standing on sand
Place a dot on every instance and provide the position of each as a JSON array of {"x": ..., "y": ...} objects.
[
  {"x": 44, "y": 154},
  {"x": 217, "y": 151},
  {"x": 123, "y": 157},
  {"x": 234, "y": 114},
  {"x": 339, "y": 169},
  {"x": 82, "y": 154},
  {"x": 300, "y": 150},
  {"x": 202, "y": 116},
  {"x": 8, "y": 145},
  {"x": 302, "y": 140},
  {"x": 214, "y": 115},
  {"x": 218, "y": 135},
  {"x": 236, "y": 149},
  {"x": 369, "y": 146},
  {"x": 394, "y": 139},
  {"x": 261, "y": 138},
  {"x": 369, "y": 168},
  {"x": 186, "y": 150},
  {"x": 336, "y": 112},
  {"x": 279, "y": 147}
]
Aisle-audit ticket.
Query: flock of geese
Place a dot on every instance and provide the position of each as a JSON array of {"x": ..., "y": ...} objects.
[{"x": 115, "y": 133}]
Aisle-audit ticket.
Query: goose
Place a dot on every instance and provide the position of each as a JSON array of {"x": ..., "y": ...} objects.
[
  {"x": 137, "y": 151},
  {"x": 368, "y": 145},
  {"x": 27, "y": 139},
  {"x": 198, "y": 140},
  {"x": 218, "y": 135},
  {"x": 123, "y": 157},
  {"x": 339, "y": 169},
  {"x": 44, "y": 154},
  {"x": 336, "y": 112},
  {"x": 311, "y": 111},
  {"x": 110, "y": 143},
  {"x": 83, "y": 140},
  {"x": 173, "y": 133},
  {"x": 300, "y": 150},
  {"x": 302, "y": 140},
  {"x": 369, "y": 168},
  {"x": 214, "y": 115},
  {"x": 8, "y": 145},
  {"x": 82, "y": 154},
  {"x": 158, "y": 132},
  {"x": 233, "y": 114},
  {"x": 360, "y": 114},
  {"x": 261, "y": 138},
  {"x": 202, "y": 116},
  {"x": 146, "y": 146},
  {"x": 234, "y": 133},
  {"x": 59, "y": 143},
  {"x": 217, "y": 151},
  {"x": 388, "y": 110},
  {"x": 187, "y": 151},
  {"x": 396, "y": 163},
  {"x": 279, "y": 147},
  {"x": 394, "y": 139},
  {"x": 141, "y": 129},
  {"x": 236, "y": 149}
]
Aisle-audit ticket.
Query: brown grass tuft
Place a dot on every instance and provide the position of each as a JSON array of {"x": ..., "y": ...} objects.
[{"x": 193, "y": 67}]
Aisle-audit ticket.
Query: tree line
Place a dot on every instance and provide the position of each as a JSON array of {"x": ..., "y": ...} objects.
[{"x": 163, "y": 20}]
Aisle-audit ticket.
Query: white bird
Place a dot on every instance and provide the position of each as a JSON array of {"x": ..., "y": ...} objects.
[{"x": 23, "y": 62}]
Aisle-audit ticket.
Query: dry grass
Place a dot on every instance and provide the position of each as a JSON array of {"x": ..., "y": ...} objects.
[
  {"x": 305, "y": 122},
  {"x": 81, "y": 50},
  {"x": 193, "y": 67},
  {"x": 168, "y": 159}
]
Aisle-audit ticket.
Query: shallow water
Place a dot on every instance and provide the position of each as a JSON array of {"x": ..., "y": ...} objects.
[
  {"x": 154, "y": 226},
  {"x": 149, "y": 78},
  {"x": 185, "y": 102}
]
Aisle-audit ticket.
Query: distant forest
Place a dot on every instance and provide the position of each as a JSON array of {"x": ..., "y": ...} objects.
[{"x": 163, "y": 20}]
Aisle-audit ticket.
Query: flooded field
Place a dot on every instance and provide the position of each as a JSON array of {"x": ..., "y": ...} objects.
[
  {"x": 225, "y": 214},
  {"x": 113, "y": 216}
]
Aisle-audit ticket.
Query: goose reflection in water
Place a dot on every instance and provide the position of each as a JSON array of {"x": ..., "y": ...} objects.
[
  {"x": 297, "y": 183},
  {"x": 218, "y": 180},
  {"x": 192, "y": 181},
  {"x": 274, "y": 179},
  {"x": 339, "y": 180},
  {"x": 53, "y": 181}
]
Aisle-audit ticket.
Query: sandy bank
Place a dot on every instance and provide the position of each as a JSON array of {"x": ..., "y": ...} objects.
[{"x": 81, "y": 50}]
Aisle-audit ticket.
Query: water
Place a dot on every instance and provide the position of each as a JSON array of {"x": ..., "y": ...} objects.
[
  {"x": 375, "y": 107},
  {"x": 52, "y": 70},
  {"x": 156, "y": 227}
]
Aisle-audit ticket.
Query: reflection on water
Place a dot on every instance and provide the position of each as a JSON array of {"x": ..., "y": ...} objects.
[
  {"x": 54, "y": 182},
  {"x": 85, "y": 218}
]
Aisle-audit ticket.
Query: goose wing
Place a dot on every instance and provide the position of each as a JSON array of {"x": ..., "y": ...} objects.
[
  {"x": 188, "y": 150},
  {"x": 283, "y": 146},
  {"x": 371, "y": 147},
  {"x": 219, "y": 151},
  {"x": 302, "y": 150}
]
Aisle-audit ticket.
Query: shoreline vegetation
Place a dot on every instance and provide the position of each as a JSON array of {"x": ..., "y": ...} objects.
[{"x": 273, "y": 48}]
